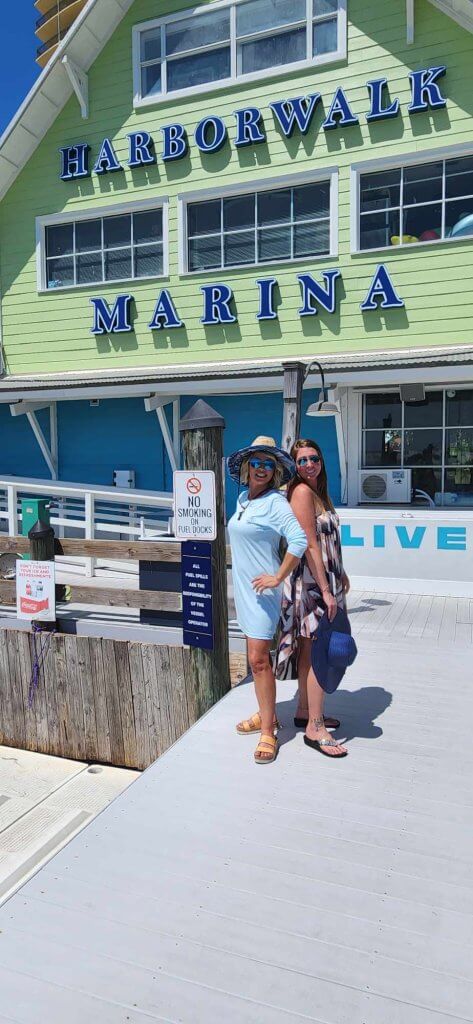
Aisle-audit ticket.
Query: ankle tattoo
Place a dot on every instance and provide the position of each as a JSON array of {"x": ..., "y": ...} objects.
[{"x": 318, "y": 722}]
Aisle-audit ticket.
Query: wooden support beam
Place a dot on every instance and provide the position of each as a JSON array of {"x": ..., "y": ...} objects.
[
  {"x": 148, "y": 550},
  {"x": 155, "y": 600},
  {"x": 293, "y": 381}
]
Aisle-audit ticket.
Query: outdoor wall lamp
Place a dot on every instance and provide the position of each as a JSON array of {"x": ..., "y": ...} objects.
[{"x": 323, "y": 407}]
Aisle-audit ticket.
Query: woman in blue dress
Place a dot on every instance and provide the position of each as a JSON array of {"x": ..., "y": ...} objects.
[{"x": 262, "y": 517}]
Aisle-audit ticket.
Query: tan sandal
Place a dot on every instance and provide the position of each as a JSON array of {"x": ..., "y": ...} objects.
[
  {"x": 267, "y": 750},
  {"x": 253, "y": 724}
]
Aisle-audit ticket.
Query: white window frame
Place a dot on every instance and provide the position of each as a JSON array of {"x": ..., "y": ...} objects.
[
  {"x": 267, "y": 185},
  {"x": 393, "y": 163},
  {"x": 443, "y": 466},
  {"x": 234, "y": 79},
  {"x": 94, "y": 213}
]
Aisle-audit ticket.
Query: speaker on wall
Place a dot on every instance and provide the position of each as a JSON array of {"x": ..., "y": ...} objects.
[{"x": 412, "y": 392}]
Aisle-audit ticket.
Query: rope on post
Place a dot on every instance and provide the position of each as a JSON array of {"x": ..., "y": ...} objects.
[{"x": 38, "y": 658}]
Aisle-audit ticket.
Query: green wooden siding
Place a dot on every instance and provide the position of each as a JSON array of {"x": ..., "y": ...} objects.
[{"x": 51, "y": 332}]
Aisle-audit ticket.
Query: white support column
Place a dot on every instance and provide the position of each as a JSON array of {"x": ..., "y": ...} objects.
[
  {"x": 38, "y": 433},
  {"x": 354, "y": 441},
  {"x": 12, "y": 507},
  {"x": 89, "y": 521},
  {"x": 168, "y": 439},
  {"x": 176, "y": 415},
  {"x": 54, "y": 436},
  {"x": 341, "y": 429}
]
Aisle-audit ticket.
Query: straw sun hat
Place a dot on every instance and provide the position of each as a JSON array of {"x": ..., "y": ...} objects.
[{"x": 268, "y": 446}]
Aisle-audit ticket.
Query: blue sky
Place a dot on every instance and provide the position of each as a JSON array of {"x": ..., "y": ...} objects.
[{"x": 18, "y": 69}]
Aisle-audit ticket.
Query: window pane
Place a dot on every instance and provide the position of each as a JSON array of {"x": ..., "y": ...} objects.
[
  {"x": 88, "y": 235},
  {"x": 422, "y": 447},
  {"x": 116, "y": 231},
  {"x": 382, "y": 448},
  {"x": 198, "y": 69},
  {"x": 324, "y": 37},
  {"x": 274, "y": 243},
  {"x": 382, "y": 410},
  {"x": 60, "y": 272},
  {"x": 422, "y": 183},
  {"x": 312, "y": 201},
  {"x": 274, "y": 207},
  {"x": 148, "y": 227},
  {"x": 324, "y": 6},
  {"x": 459, "y": 447},
  {"x": 312, "y": 239},
  {"x": 59, "y": 240},
  {"x": 459, "y": 177},
  {"x": 205, "y": 253},
  {"x": 117, "y": 264},
  {"x": 148, "y": 260},
  {"x": 259, "y": 15},
  {"x": 428, "y": 480},
  {"x": 458, "y": 487},
  {"x": 150, "y": 44},
  {"x": 272, "y": 51},
  {"x": 89, "y": 268},
  {"x": 379, "y": 229},
  {"x": 459, "y": 218},
  {"x": 151, "y": 80},
  {"x": 192, "y": 33},
  {"x": 422, "y": 223},
  {"x": 203, "y": 218},
  {"x": 239, "y": 248},
  {"x": 460, "y": 407},
  {"x": 239, "y": 212},
  {"x": 377, "y": 191},
  {"x": 428, "y": 413}
]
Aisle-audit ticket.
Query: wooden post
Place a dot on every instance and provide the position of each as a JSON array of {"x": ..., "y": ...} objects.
[
  {"x": 293, "y": 381},
  {"x": 42, "y": 546},
  {"x": 202, "y": 444}
]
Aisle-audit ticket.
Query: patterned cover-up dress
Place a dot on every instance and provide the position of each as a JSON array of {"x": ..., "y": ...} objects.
[{"x": 303, "y": 605}]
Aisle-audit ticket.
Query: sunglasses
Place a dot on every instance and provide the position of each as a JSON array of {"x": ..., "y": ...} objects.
[
  {"x": 262, "y": 464},
  {"x": 304, "y": 461}
]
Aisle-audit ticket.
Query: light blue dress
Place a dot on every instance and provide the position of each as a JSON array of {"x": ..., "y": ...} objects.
[{"x": 255, "y": 530}]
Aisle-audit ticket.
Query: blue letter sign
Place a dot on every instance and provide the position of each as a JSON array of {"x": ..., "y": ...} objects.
[
  {"x": 382, "y": 287},
  {"x": 112, "y": 321}
]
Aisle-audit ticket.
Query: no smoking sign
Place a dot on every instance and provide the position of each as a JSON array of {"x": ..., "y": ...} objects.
[{"x": 194, "y": 505}]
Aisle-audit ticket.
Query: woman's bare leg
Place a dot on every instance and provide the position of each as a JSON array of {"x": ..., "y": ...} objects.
[
  {"x": 316, "y": 729},
  {"x": 304, "y": 648},
  {"x": 265, "y": 684}
]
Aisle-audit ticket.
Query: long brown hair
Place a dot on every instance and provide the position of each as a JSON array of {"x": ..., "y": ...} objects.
[{"x": 322, "y": 482}]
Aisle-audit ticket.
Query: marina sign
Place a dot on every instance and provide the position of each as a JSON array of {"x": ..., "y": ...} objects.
[{"x": 212, "y": 133}]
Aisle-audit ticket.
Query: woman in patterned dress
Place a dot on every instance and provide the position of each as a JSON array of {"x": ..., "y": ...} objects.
[{"x": 318, "y": 584}]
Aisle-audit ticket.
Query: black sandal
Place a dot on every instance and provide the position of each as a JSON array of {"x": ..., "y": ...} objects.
[
  {"x": 319, "y": 744},
  {"x": 330, "y": 723}
]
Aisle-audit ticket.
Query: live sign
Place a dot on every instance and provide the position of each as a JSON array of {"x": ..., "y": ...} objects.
[{"x": 195, "y": 515}]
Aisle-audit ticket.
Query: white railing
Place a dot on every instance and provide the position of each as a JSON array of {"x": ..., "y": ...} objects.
[{"x": 88, "y": 510}]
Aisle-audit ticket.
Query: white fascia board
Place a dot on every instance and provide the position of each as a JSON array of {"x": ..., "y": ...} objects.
[{"x": 83, "y": 43}]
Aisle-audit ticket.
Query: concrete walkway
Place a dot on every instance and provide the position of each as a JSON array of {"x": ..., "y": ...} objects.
[{"x": 215, "y": 890}]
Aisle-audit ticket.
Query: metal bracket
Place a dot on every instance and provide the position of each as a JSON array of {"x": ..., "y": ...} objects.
[{"x": 80, "y": 83}]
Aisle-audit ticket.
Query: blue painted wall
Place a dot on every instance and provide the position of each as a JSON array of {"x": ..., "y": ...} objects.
[
  {"x": 20, "y": 454},
  {"x": 120, "y": 434}
]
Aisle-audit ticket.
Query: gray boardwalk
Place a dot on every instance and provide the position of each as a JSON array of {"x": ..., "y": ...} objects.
[{"x": 215, "y": 890}]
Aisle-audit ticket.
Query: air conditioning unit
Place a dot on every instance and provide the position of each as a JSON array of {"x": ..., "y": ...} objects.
[{"x": 382, "y": 486}]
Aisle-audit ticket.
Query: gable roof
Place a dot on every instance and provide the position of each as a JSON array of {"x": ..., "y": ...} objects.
[{"x": 83, "y": 44}]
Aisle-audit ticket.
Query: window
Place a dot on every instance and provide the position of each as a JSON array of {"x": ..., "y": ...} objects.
[
  {"x": 233, "y": 40},
  {"x": 259, "y": 227},
  {"x": 115, "y": 247},
  {"x": 433, "y": 437},
  {"x": 416, "y": 203}
]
